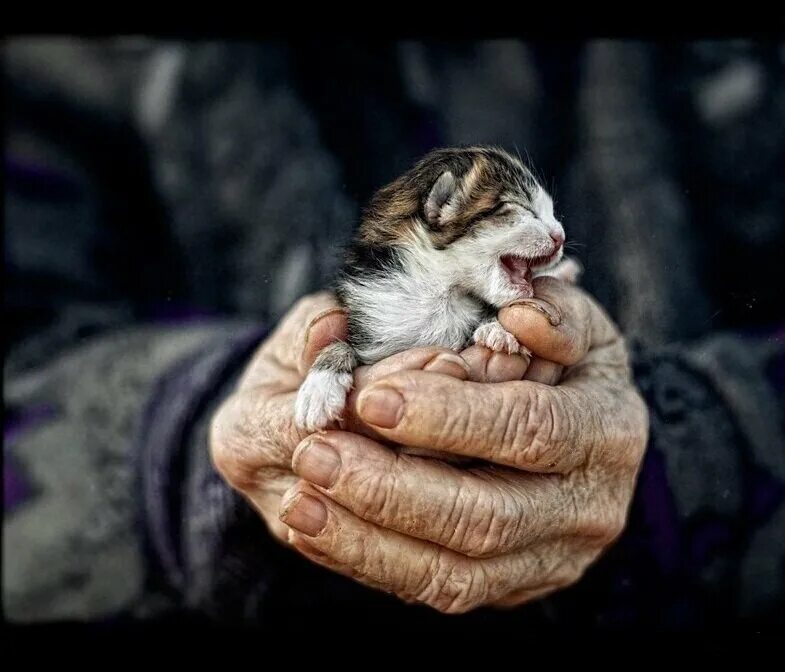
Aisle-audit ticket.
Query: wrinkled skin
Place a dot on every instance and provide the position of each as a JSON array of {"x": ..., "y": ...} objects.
[{"x": 549, "y": 488}]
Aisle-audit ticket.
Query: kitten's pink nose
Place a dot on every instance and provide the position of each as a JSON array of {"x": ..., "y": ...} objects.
[{"x": 558, "y": 239}]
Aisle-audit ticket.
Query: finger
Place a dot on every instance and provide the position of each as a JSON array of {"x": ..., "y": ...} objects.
[
  {"x": 253, "y": 432},
  {"x": 525, "y": 595},
  {"x": 487, "y": 366},
  {"x": 385, "y": 559},
  {"x": 328, "y": 326},
  {"x": 284, "y": 349},
  {"x": 433, "y": 359},
  {"x": 447, "y": 597},
  {"x": 521, "y": 424},
  {"x": 475, "y": 512},
  {"x": 542, "y": 371},
  {"x": 413, "y": 569},
  {"x": 267, "y": 502},
  {"x": 609, "y": 362},
  {"x": 560, "y": 324}
]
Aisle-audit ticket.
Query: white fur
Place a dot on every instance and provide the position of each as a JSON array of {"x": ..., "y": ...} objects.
[
  {"x": 321, "y": 398},
  {"x": 432, "y": 299},
  {"x": 413, "y": 307},
  {"x": 474, "y": 261},
  {"x": 429, "y": 302},
  {"x": 543, "y": 206},
  {"x": 493, "y": 335}
]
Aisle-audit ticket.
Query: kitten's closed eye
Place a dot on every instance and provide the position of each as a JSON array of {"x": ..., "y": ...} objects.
[{"x": 439, "y": 250}]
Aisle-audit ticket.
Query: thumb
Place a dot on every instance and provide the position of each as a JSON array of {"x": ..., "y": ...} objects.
[{"x": 327, "y": 327}]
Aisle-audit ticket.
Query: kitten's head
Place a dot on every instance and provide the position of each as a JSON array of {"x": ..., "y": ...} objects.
[{"x": 476, "y": 215}]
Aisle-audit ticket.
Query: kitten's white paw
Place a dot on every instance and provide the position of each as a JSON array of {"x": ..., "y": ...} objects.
[
  {"x": 321, "y": 398},
  {"x": 494, "y": 336}
]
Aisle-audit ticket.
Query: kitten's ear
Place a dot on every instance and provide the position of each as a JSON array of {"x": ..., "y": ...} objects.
[{"x": 442, "y": 201}]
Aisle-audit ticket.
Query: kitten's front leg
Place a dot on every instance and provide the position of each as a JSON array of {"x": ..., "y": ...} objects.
[
  {"x": 493, "y": 335},
  {"x": 322, "y": 395}
]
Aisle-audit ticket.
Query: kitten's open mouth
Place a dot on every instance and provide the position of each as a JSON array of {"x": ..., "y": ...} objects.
[{"x": 519, "y": 269}]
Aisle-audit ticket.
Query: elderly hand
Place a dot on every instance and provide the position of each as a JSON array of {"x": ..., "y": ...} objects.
[
  {"x": 253, "y": 434},
  {"x": 553, "y": 491}
]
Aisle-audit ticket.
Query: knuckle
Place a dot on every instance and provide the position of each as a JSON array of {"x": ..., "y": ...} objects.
[
  {"x": 449, "y": 418},
  {"x": 373, "y": 492},
  {"x": 454, "y": 417},
  {"x": 572, "y": 574},
  {"x": 566, "y": 565},
  {"x": 573, "y": 515},
  {"x": 537, "y": 433},
  {"x": 456, "y": 422},
  {"x": 604, "y": 524},
  {"x": 492, "y": 527},
  {"x": 625, "y": 431},
  {"x": 454, "y": 587},
  {"x": 573, "y": 346},
  {"x": 361, "y": 555},
  {"x": 240, "y": 447},
  {"x": 455, "y": 523},
  {"x": 598, "y": 527}
]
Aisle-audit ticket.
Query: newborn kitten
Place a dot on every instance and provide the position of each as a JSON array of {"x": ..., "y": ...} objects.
[{"x": 438, "y": 252}]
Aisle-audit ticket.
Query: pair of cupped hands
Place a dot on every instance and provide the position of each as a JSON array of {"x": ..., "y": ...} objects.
[{"x": 557, "y": 439}]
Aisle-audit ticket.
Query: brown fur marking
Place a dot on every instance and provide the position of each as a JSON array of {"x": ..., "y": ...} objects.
[{"x": 484, "y": 174}]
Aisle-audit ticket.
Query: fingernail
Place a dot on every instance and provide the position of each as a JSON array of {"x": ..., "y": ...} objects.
[
  {"x": 315, "y": 321},
  {"x": 380, "y": 406},
  {"x": 446, "y": 362},
  {"x": 321, "y": 316},
  {"x": 549, "y": 310},
  {"x": 317, "y": 462},
  {"x": 304, "y": 513}
]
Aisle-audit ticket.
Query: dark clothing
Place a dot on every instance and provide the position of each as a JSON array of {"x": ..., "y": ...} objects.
[{"x": 166, "y": 203}]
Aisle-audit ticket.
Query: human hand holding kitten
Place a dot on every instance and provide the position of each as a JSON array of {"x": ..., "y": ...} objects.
[{"x": 438, "y": 252}]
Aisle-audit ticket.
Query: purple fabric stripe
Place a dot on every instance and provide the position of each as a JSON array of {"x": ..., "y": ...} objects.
[
  {"x": 53, "y": 182},
  {"x": 766, "y": 494},
  {"x": 16, "y": 490},
  {"x": 19, "y": 421},
  {"x": 659, "y": 511},
  {"x": 169, "y": 414},
  {"x": 171, "y": 313}
]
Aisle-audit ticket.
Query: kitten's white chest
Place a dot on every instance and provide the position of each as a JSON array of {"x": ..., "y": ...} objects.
[{"x": 398, "y": 313}]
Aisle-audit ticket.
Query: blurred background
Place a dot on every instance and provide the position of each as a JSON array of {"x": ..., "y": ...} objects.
[
  {"x": 152, "y": 179},
  {"x": 174, "y": 183}
]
